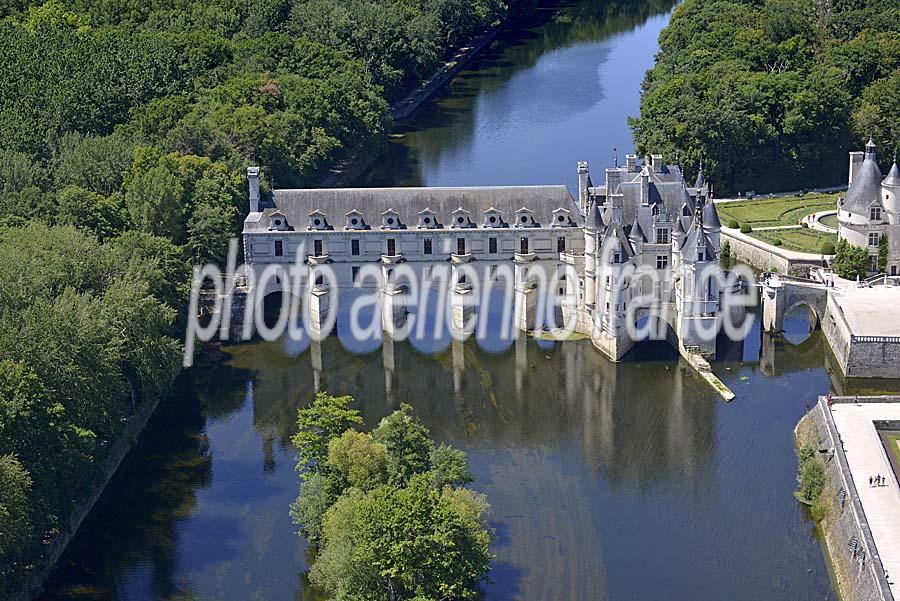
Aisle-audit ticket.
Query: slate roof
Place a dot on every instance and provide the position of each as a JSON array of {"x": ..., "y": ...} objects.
[
  {"x": 595, "y": 218},
  {"x": 697, "y": 239},
  {"x": 711, "y": 216},
  {"x": 636, "y": 231},
  {"x": 865, "y": 187},
  {"x": 335, "y": 203},
  {"x": 893, "y": 176}
]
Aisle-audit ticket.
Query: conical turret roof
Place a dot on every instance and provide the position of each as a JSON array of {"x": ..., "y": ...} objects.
[
  {"x": 711, "y": 216},
  {"x": 893, "y": 176},
  {"x": 636, "y": 231}
]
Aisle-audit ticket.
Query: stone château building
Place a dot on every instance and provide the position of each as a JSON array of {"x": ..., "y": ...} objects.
[
  {"x": 641, "y": 236},
  {"x": 871, "y": 208}
]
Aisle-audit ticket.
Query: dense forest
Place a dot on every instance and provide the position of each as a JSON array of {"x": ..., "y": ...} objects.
[
  {"x": 772, "y": 94},
  {"x": 125, "y": 130}
]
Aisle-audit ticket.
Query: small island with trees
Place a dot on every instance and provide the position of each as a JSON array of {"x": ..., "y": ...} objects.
[{"x": 388, "y": 511}]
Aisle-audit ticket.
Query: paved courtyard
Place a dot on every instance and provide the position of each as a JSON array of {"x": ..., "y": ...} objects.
[
  {"x": 866, "y": 458},
  {"x": 871, "y": 311}
]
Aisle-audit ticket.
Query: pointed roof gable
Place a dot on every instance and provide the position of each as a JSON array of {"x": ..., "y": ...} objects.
[{"x": 617, "y": 232}]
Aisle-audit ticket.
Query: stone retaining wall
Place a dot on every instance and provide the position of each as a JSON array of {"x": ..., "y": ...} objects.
[
  {"x": 844, "y": 519},
  {"x": 766, "y": 257}
]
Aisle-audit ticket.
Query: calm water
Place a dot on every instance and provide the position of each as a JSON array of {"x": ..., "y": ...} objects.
[{"x": 628, "y": 481}]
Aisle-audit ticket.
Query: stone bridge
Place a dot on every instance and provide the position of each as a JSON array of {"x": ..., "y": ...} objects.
[{"x": 780, "y": 294}]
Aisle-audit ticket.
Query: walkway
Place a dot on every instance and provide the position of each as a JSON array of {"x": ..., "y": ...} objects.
[
  {"x": 814, "y": 221},
  {"x": 866, "y": 458}
]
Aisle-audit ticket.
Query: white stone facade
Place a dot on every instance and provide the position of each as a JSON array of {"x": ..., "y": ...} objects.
[
  {"x": 871, "y": 208},
  {"x": 643, "y": 238}
]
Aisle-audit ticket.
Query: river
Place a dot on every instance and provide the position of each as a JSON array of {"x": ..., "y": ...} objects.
[{"x": 628, "y": 481}]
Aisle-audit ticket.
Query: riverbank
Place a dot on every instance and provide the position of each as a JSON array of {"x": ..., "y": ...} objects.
[
  {"x": 346, "y": 172},
  {"x": 37, "y": 579}
]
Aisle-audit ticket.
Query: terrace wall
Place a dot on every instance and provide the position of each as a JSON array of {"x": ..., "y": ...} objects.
[{"x": 860, "y": 575}]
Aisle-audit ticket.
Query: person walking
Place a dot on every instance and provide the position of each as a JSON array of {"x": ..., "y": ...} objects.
[{"x": 870, "y": 481}]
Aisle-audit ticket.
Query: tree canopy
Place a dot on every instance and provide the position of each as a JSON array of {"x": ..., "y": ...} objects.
[
  {"x": 387, "y": 510},
  {"x": 771, "y": 95}
]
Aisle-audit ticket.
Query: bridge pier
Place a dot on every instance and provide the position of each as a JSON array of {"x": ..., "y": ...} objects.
[
  {"x": 526, "y": 295},
  {"x": 773, "y": 307}
]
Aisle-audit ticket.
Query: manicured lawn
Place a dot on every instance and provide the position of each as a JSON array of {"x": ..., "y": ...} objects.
[
  {"x": 830, "y": 221},
  {"x": 894, "y": 445},
  {"x": 766, "y": 212},
  {"x": 800, "y": 239}
]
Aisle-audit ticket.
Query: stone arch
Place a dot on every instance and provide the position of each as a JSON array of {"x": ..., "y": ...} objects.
[
  {"x": 273, "y": 303},
  {"x": 781, "y": 298}
]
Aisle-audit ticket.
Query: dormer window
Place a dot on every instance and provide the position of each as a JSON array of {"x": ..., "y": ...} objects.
[
  {"x": 562, "y": 218},
  {"x": 492, "y": 218},
  {"x": 525, "y": 218},
  {"x": 662, "y": 235},
  {"x": 278, "y": 222},
  {"x": 461, "y": 218},
  {"x": 390, "y": 220},
  {"x": 355, "y": 221},
  {"x": 875, "y": 213},
  {"x": 685, "y": 211},
  {"x": 427, "y": 219},
  {"x": 317, "y": 221}
]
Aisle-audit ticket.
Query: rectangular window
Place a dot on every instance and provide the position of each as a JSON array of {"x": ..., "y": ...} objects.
[
  {"x": 662, "y": 261},
  {"x": 460, "y": 246},
  {"x": 492, "y": 246},
  {"x": 354, "y": 247},
  {"x": 426, "y": 246},
  {"x": 874, "y": 266},
  {"x": 317, "y": 248},
  {"x": 561, "y": 244},
  {"x": 617, "y": 257},
  {"x": 391, "y": 247},
  {"x": 662, "y": 236},
  {"x": 874, "y": 239},
  {"x": 355, "y": 272},
  {"x": 523, "y": 246},
  {"x": 279, "y": 248},
  {"x": 876, "y": 214}
]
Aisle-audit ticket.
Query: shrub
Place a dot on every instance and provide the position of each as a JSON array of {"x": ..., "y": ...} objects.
[
  {"x": 746, "y": 228},
  {"x": 812, "y": 480},
  {"x": 851, "y": 262},
  {"x": 733, "y": 224},
  {"x": 827, "y": 248},
  {"x": 777, "y": 242},
  {"x": 725, "y": 250}
]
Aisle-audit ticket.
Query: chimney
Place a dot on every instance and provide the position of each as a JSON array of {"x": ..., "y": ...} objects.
[
  {"x": 657, "y": 162},
  {"x": 630, "y": 162},
  {"x": 856, "y": 159},
  {"x": 645, "y": 186},
  {"x": 583, "y": 179},
  {"x": 253, "y": 179},
  {"x": 613, "y": 177}
]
